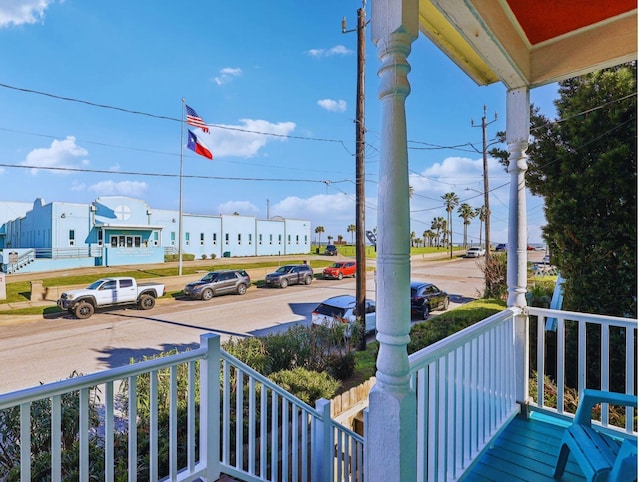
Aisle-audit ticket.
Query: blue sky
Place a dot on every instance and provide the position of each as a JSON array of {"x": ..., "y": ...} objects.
[{"x": 277, "y": 83}]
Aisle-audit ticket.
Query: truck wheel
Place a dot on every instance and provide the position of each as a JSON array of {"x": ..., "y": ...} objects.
[
  {"x": 83, "y": 310},
  {"x": 242, "y": 289},
  {"x": 309, "y": 279},
  {"x": 207, "y": 294},
  {"x": 146, "y": 302},
  {"x": 284, "y": 283}
]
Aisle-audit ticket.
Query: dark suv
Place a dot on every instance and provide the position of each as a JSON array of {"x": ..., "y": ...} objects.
[
  {"x": 290, "y": 274},
  {"x": 331, "y": 250},
  {"x": 219, "y": 283},
  {"x": 426, "y": 297}
]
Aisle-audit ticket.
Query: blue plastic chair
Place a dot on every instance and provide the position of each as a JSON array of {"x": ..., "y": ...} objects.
[{"x": 600, "y": 457}]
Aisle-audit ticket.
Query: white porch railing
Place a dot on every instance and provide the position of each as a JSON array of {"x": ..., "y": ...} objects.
[
  {"x": 570, "y": 332},
  {"x": 236, "y": 421},
  {"x": 466, "y": 392}
]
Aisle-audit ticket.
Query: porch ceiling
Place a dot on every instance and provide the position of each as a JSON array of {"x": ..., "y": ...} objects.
[{"x": 524, "y": 43}]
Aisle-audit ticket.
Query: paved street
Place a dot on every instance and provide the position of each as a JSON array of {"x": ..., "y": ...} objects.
[{"x": 35, "y": 350}]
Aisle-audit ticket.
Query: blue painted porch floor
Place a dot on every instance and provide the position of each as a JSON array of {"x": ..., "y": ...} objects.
[{"x": 526, "y": 450}]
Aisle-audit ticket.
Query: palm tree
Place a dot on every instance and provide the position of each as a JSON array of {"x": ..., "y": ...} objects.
[
  {"x": 340, "y": 238},
  {"x": 467, "y": 213},
  {"x": 481, "y": 212},
  {"x": 436, "y": 224},
  {"x": 329, "y": 239},
  {"x": 430, "y": 235},
  {"x": 319, "y": 230},
  {"x": 451, "y": 200},
  {"x": 351, "y": 229},
  {"x": 413, "y": 237},
  {"x": 444, "y": 226}
]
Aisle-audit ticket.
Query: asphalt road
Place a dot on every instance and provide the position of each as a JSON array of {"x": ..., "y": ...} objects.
[{"x": 34, "y": 351}]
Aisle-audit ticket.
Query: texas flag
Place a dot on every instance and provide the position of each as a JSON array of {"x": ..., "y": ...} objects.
[{"x": 196, "y": 145}]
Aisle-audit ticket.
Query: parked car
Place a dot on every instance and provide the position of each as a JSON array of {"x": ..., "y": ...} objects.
[
  {"x": 219, "y": 283},
  {"x": 340, "y": 309},
  {"x": 475, "y": 252},
  {"x": 530, "y": 248},
  {"x": 501, "y": 247},
  {"x": 546, "y": 259},
  {"x": 331, "y": 250},
  {"x": 290, "y": 274},
  {"x": 339, "y": 270},
  {"x": 427, "y": 297},
  {"x": 109, "y": 293}
]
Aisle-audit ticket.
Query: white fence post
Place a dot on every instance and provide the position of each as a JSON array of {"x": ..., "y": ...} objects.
[
  {"x": 322, "y": 451},
  {"x": 210, "y": 406}
]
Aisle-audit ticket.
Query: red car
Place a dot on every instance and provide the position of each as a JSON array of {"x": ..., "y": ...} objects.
[{"x": 340, "y": 269}]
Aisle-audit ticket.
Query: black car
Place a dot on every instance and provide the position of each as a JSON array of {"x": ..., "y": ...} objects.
[
  {"x": 427, "y": 297},
  {"x": 331, "y": 250},
  {"x": 219, "y": 283},
  {"x": 290, "y": 274}
]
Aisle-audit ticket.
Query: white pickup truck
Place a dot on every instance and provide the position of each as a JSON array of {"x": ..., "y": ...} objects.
[{"x": 107, "y": 292}]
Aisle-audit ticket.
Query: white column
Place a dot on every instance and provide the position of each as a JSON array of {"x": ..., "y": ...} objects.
[
  {"x": 391, "y": 431},
  {"x": 517, "y": 143}
]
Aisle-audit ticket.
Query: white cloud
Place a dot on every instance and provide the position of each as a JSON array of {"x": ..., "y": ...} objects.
[
  {"x": 244, "y": 208},
  {"x": 226, "y": 75},
  {"x": 14, "y": 12},
  {"x": 245, "y": 139},
  {"x": 78, "y": 186},
  {"x": 337, "y": 50},
  {"x": 333, "y": 105},
  {"x": 59, "y": 156},
  {"x": 125, "y": 188}
]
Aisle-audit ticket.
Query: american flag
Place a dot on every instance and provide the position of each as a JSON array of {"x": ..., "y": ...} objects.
[{"x": 193, "y": 119}]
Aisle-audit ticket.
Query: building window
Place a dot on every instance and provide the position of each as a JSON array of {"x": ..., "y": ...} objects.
[
  {"x": 279, "y": 238},
  {"x": 259, "y": 238},
  {"x": 121, "y": 241},
  {"x": 305, "y": 239},
  {"x": 173, "y": 238},
  {"x": 72, "y": 237},
  {"x": 155, "y": 238},
  {"x": 100, "y": 237},
  {"x": 249, "y": 238},
  {"x": 239, "y": 238},
  {"x": 288, "y": 239},
  {"x": 187, "y": 239},
  {"x": 297, "y": 239},
  {"x": 215, "y": 238},
  {"x": 271, "y": 239},
  {"x": 201, "y": 239},
  {"x": 226, "y": 238},
  {"x": 114, "y": 241},
  {"x": 137, "y": 241}
]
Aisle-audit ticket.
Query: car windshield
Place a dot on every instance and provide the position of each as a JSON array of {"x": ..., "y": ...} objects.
[
  {"x": 337, "y": 265},
  {"x": 328, "y": 310},
  {"x": 283, "y": 269},
  {"x": 210, "y": 277},
  {"x": 95, "y": 285}
]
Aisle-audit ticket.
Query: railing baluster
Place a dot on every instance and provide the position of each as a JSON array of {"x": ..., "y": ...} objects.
[
  {"x": 605, "y": 342},
  {"x": 226, "y": 411},
  {"x": 191, "y": 416},
  {"x": 109, "y": 433},
  {"x": 239, "y": 417},
  {"x": 252, "y": 426},
  {"x": 133, "y": 428},
  {"x": 295, "y": 435},
  {"x": 153, "y": 425},
  {"x": 84, "y": 435},
  {"x": 630, "y": 375},
  {"x": 560, "y": 365},
  {"x": 274, "y": 435},
  {"x": 173, "y": 422},
  {"x": 540, "y": 365},
  {"x": 56, "y": 438},
  {"x": 264, "y": 416},
  {"x": 25, "y": 442},
  {"x": 582, "y": 356}
]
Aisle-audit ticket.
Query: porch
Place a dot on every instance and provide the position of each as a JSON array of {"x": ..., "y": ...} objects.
[{"x": 200, "y": 414}]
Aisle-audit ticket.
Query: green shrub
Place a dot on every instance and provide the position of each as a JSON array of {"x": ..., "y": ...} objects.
[
  {"x": 213, "y": 255},
  {"x": 495, "y": 275},
  {"x": 307, "y": 385},
  {"x": 204, "y": 256},
  {"x": 540, "y": 293},
  {"x": 342, "y": 366},
  {"x": 251, "y": 351}
]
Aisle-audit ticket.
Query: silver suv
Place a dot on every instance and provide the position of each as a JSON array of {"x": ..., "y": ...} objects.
[
  {"x": 290, "y": 274},
  {"x": 219, "y": 283}
]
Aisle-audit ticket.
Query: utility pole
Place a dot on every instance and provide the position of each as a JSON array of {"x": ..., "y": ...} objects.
[
  {"x": 485, "y": 169},
  {"x": 361, "y": 261}
]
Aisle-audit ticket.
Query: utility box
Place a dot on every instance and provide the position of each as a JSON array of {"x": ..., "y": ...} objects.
[{"x": 226, "y": 254}]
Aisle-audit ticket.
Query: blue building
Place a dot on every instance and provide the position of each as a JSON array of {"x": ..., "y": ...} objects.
[{"x": 119, "y": 230}]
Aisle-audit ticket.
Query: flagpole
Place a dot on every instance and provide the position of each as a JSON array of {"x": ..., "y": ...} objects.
[{"x": 180, "y": 204}]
